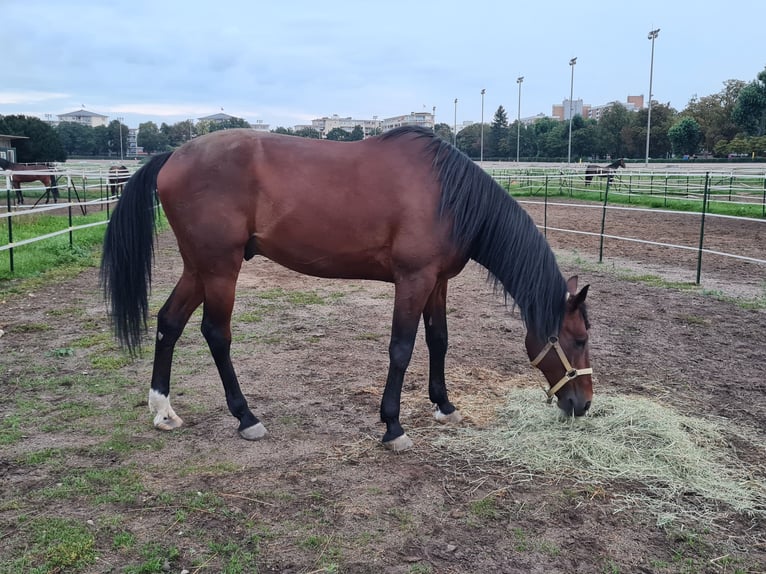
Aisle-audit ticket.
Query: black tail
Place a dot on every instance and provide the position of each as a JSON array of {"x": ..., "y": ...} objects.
[{"x": 126, "y": 264}]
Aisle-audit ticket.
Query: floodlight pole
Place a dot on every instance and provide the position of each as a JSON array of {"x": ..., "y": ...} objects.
[
  {"x": 652, "y": 36},
  {"x": 481, "y": 153},
  {"x": 572, "y": 63},
  {"x": 454, "y": 127},
  {"x": 120, "y": 122},
  {"x": 518, "y": 119}
]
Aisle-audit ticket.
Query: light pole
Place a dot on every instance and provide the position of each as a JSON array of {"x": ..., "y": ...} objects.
[
  {"x": 454, "y": 127},
  {"x": 518, "y": 119},
  {"x": 434, "y": 118},
  {"x": 120, "y": 120},
  {"x": 481, "y": 153},
  {"x": 652, "y": 36},
  {"x": 572, "y": 63}
]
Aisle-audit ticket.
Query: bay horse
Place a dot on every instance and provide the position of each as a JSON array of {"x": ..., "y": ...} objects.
[
  {"x": 42, "y": 172},
  {"x": 117, "y": 177},
  {"x": 404, "y": 207},
  {"x": 603, "y": 171}
]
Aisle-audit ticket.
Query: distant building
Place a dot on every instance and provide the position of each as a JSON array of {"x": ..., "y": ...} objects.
[
  {"x": 7, "y": 151},
  {"x": 576, "y": 107},
  {"x": 326, "y": 124},
  {"x": 259, "y": 126},
  {"x": 633, "y": 103},
  {"x": 422, "y": 119},
  {"x": 220, "y": 117},
  {"x": 85, "y": 118}
]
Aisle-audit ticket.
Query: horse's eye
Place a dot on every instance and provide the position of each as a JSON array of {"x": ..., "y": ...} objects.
[{"x": 580, "y": 343}]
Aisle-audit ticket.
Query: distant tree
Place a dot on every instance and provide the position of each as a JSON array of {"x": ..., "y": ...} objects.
[
  {"x": 177, "y": 134},
  {"x": 42, "y": 145},
  {"x": 713, "y": 113},
  {"x": 634, "y": 137},
  {"x": 100, "y": 140},
  {"x": 310, "y": 133},
  {"x": 337, "y": 134},
  {"x": 685, "y": 136},
  {"x": 469, "y": 140},
  {"x": 151, "y": 138},
  {"x": 356, "y": 134},
  {"x": 283, "y": 131},
  {"x": 228, "y": 124},
  {"x": 116, "y": 131},
  {"x": 498, "y": 135},
  {"x": 609, "y": 129},
  {"x": 76, "y": 138},
  {"x": 444, "y": 132},
  {"x": 749, "y": 111}
]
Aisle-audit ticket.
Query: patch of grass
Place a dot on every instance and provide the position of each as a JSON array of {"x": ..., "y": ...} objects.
[
  {"x": 10, "y": 429},
  {"x": 485, "y": 508},
  {"x": 296, "y": 298},
  {"x": 110, "y": 362},
  {"x": 236, "y": 559},
  {"x": 30, "y": 328},
  {"x": 123, "y": 540},
  {"x": 156, "y": 559},
  {"x": 108, "y": 485},
  {"x": 41, "y": 456},
  {"x": 57, "y": 545}
]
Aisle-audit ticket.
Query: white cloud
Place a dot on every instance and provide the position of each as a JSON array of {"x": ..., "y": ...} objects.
[{"x": 29, "y": 97}]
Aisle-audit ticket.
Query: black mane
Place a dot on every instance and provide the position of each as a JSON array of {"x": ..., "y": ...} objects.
[
  {"x": 5, "y": 164},
  {"x": 493, "y": 229}
]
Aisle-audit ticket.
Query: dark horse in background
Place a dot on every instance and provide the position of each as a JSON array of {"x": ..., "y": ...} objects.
[
  {"x": 405, "y": 207},
  {"x": 41, "y": 172},
  {"x": 603, "y": 171},
  {"x": 117, "y": 178}
]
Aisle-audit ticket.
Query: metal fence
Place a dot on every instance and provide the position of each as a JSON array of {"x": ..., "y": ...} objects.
[{"x": 85, "y": 193}]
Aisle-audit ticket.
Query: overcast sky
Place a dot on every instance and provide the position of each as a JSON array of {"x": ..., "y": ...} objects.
[{"x": 287, "y": 62}]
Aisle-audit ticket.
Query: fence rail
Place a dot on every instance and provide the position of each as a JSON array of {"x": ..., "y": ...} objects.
[{"x": 703, "y": 194}]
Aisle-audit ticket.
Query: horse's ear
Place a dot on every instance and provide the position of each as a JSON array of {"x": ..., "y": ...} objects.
[
  {"x": 576, "y": 300},
  {"x": 572, "y": 285}
]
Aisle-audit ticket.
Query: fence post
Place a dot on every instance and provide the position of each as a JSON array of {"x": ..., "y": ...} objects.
[
  {"x": 545, "y": 208},
  {"x": 10, "y": 219},
  {"x": 702, "y": 226},
  {"x": 763, "y": 203},
  {"x": 69, "y": 211},
  {"x": 603, "y": 224}
]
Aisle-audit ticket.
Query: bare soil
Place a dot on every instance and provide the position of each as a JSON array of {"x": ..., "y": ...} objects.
[{"x": 321, "y": 494}]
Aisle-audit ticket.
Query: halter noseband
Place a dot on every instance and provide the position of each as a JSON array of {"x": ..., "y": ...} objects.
[{"x": 571, "y": 373}]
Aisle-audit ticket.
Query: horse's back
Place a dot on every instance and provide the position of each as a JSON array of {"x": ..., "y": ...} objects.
[{"x": 334, "y": 209}]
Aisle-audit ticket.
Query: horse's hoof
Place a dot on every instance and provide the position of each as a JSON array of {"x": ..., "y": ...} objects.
[
  {"x": 399, "y": 444},
  {"x": 453, "y": 418},
  {"x": 168, "y": 423},
  {"x": 255, "y": 432}
]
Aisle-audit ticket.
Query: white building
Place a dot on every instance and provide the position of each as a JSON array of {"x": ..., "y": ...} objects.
[{"x": 85, "y": 118}]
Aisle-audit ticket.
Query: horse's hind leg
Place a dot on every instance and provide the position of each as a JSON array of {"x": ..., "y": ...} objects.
[
  {"x": 435, "y": 320},
  {"x": 171, "y": 320},
  {"x": 216, "y": 327}
]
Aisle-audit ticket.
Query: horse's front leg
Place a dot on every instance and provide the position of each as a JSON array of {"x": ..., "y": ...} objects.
[
  {"x": 435, "y": 320},
  {"x": 409, "y": 301}
]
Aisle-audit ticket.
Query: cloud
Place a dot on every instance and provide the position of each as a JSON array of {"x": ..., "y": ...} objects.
[{"x": 29, "y": 97}]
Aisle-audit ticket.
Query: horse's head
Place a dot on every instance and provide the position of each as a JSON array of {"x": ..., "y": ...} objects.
[
  {"x": 621, "y": 162},
  {"x": 565, "y": 359}
]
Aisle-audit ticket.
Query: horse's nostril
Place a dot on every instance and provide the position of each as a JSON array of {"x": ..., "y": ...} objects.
[{"x": 587, "y": 405}]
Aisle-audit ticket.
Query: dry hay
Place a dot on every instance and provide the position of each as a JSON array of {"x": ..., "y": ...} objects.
[{"x": 674, "y": 464}]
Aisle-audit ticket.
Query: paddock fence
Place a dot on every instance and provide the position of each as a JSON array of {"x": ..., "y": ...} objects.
[
  {"x": 735, "y": 200},
  {"x": 84, "y": 202}
]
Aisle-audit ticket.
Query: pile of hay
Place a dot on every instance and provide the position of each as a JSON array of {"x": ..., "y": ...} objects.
[{"x": 682, "y": 464}]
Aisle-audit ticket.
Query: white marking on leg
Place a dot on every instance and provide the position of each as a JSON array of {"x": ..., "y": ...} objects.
[
  {"x": 453, "y": 418},
  {"x": 255, "y": 432},
  {"x": 399, "y": 444},
  {"x": 165, "y": 417}
]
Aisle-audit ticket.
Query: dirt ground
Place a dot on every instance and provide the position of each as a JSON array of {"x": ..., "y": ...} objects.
[{"x": 320, "y": 494}]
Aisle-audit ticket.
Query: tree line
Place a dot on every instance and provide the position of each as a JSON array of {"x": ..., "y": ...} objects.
[{"x": 730, "y": 122}]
